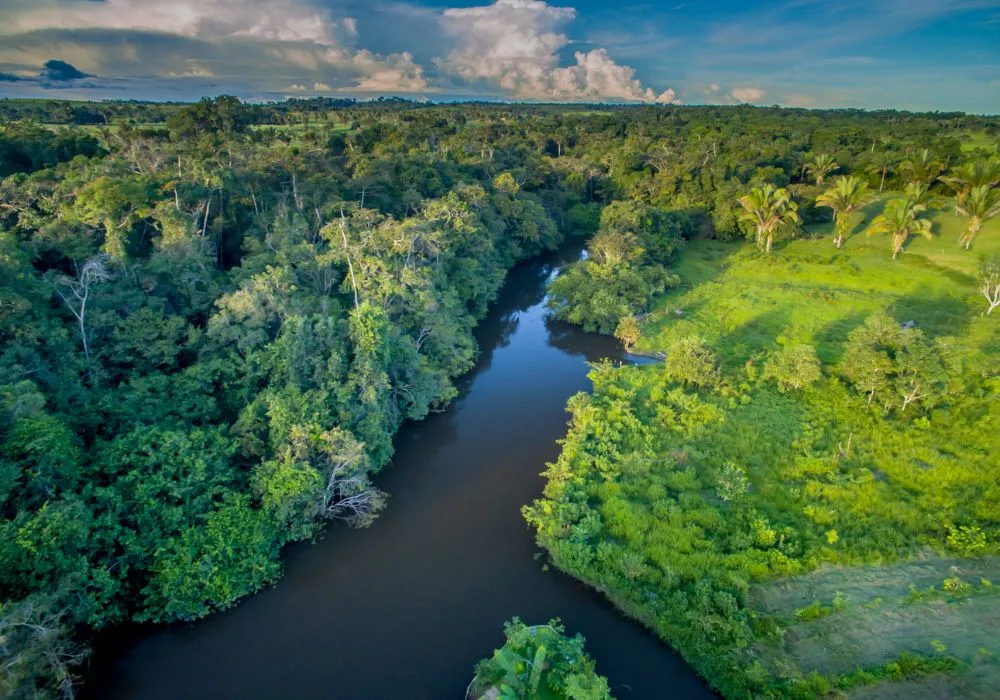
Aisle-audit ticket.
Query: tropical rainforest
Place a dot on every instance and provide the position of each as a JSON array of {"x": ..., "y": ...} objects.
[{"x": 216, "y": 316}]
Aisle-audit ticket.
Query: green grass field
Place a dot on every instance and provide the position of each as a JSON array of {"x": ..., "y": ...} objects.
[
  {"x": 812, "y": 292},
  {"x": 978, "y": 140}
]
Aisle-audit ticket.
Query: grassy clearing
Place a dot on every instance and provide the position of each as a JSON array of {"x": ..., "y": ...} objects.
[
  {"x": 978, "y": 140},
  {"x": 812, "y": 292},
  {"x": 876, "y": 617}
]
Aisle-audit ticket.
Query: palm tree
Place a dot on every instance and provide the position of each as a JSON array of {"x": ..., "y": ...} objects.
[
  {"x": 901, "y": 219},
  {"x": 975, "y": 173},
  {"x": 920, "y": 193},
  {"x": 846, "y": 196},
  {"x": 770, "y": 210},
  {"x": 882, "y": 164},
  {"x": 821, "y": 166},
  {"x": 922, "y": 166},
  {"x": 981, "y": 204}
]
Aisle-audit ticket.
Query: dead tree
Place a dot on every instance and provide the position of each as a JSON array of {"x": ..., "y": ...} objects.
[
  {"x": 75, "y": 292},
  {"x": 989, "y": 277}
]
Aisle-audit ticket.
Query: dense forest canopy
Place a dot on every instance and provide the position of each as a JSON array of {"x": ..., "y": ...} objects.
[{"x": 215, "y": 316}]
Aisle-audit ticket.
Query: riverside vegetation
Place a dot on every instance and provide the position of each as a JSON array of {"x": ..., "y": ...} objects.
[
  {"x": 804, "y": 497},
  {"x": 215, "y": 317},
  {"x": 539, "y": 661}
]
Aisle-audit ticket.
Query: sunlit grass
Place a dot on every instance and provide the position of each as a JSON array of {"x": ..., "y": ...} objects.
[{"x": 809, "y": 291}]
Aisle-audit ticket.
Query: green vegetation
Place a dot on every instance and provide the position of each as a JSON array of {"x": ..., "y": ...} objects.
[
  {"x": 538, "y": 662},
  {"x": 214, "y": 318},
  {"x": 797, "y": 424},
  {"x": 210, "y": 335},
  {"x": 777, "y": 498}
]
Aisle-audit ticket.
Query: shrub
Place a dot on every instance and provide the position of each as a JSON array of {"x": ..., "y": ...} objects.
[
  {"x": 794, "y": 367},
  {"x": 691, "y": 362}
]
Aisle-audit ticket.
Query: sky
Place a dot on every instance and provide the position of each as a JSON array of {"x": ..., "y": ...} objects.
[{"x": 906, "y": 54}]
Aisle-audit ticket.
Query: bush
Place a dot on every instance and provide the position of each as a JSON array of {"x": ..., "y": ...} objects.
[
  {"x": 794, "y": 367},
  {"x": 691, "y": 361}
]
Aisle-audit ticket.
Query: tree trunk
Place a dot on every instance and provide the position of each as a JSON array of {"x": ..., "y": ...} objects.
[
  {"x": 350, "y": 265},
  {"x": 882, "y": 184},
  {"x": 770, "y": 244},
  {"x": 204, "y": 224}
]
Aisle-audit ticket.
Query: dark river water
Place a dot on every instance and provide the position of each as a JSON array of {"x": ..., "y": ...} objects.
[{"x": 405, "y": 608}]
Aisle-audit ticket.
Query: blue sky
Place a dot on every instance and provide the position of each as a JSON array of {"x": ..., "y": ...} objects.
[{"x": 908, "y": 54}]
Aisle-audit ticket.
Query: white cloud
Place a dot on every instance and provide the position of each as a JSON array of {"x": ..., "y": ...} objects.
[
  {"x": 253, "y": 40},
  {"x": 397, "y": 73},
  {"x": 514, "y": 45},
  {"x": 747, "y": 94},
  {"x": 276, "y": 20}
]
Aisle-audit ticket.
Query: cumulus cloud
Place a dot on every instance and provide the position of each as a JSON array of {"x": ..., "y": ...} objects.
[
  {"x": 747, "y": 94},
  {"x": 279, "y": 20},
  {"x": 514, "y": 45},
  {"x": 255, "y": 42},
  {"x": 514, "y": 48}
]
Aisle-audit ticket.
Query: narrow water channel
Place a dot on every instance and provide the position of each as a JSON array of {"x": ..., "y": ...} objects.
[{"x": 406, "y": 607}]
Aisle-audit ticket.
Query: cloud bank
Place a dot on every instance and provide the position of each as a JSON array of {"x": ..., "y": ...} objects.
[{"x": 511, "y": 48}]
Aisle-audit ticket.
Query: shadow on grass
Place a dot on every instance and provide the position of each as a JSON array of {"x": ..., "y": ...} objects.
[
  {"x": 753, "y": 336},
  {"x": 832, "y": 337},
  {"x": 936, "y": 315}
]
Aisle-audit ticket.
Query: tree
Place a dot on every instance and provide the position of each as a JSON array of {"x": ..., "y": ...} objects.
[
  {"x": 921, "y": 167},
  {"x": 882, "y": 164},
  {"x": 920, "y": 193},
  {"x": 75, "y": 292},
  {"x": 794, "y": 367},
  {"x": 820, "y": 166},
  {"x": 37, "y": 654},
  {"x": 211, "y": 565},
  {"x": 691, "y": 361},
  {"x": 980, "y": 205},
  {"x": 846, "y": 196},
  {"x": 770, "y": 211},
  {"x": 898, "y": 365},
  {"x": 989, "y": 280},
  {"x": 901, "y": 219},
  {"x": 628, "y": 331},
  {"x": 975, "y": 173}
]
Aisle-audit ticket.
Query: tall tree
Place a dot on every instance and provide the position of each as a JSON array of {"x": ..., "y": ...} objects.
[
  {"x": 770, "y": 211},
  {"x": 901, "y": 219},
  {"x": 981, "y": 205},
  {"x": 882, "y": 164},
  {"x": 75, "y": 292},
  {"x": 845, "y": 196}
]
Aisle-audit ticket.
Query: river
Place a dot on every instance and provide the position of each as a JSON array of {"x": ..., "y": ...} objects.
[{"x": 405, "y": 608}]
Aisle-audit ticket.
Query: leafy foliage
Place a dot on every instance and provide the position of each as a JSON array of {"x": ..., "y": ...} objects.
[{"x": 539, "y": 662}]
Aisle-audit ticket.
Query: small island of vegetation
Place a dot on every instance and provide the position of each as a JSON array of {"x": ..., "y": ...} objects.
[{"x": 538, "y": 662}]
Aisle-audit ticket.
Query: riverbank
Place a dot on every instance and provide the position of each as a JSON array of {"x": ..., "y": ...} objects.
[
  {"x": 737, "y": 501},
  {"x": 411, "y": 603}
]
